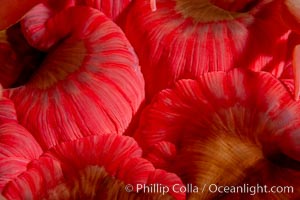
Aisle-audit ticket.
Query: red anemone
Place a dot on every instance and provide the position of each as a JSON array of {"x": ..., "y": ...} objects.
[
  {"x": 89, "y": 82},
  {"x": 186, "y": 38},
  {"x": 17, "y": 146},
  {"x": 94, "y": 167},
  {"x": 232, "y": 128}
]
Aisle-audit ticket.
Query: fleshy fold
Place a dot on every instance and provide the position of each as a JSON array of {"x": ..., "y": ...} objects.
[
  {"x": 90, "y": 81},
  {"x": 226, "y": 129}
]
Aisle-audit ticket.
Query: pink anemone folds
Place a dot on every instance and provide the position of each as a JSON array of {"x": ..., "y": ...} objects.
[
  {"x": 89, "y": 82},
  {"x": 94, "y": 167},
  {"x": 17, "y": 146},
  {"x": 233, "y": 128},
  {"x": 186, "y": 38},
  {"x": 113, "y": 9},
  {"x": 34, "y": 23},
  {"x": 12, "y": 11}
]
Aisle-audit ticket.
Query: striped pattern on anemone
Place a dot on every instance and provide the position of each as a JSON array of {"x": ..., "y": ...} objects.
[
  {"x": 34, "y": 24},
  {"x": 94, "y": 167},
  {"x": 89, "y": 82},
  {"x": 38, "y": 177},
  {"x": 17, "y": 146},
  {"x": 11, "y": 11},
  {"x": 113, "y": 9},
  {"x": 186, "y": 38},
  {"x": 226, "y": 129}
]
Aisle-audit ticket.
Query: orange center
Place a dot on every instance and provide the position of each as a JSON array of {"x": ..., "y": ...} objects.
[
  {"x": 93, "y": 182},
  {"x": 214, "y": 10},
  {"x": 59, "y": 63},
  {"x": 235, "y": 5}
]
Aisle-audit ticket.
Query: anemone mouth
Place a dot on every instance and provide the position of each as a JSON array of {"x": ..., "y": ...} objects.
[
  {"x": 42, "y": 69},
  {"x": 242, "y": 131},
  {"x": 240, "y": 6},
  {"x": 85, "y": 61},
  {"x": 92, "y": 182},
  {"x": 215, "y": 10},
  {"x": 29, "y": 59},
  {"x": 95, "y": 167},
  {"x": 59, "y": 63},
  {"x": 238, "y": 157},
  {"x": 229, "y": 160},
  {"x": 215, "y": 156}
]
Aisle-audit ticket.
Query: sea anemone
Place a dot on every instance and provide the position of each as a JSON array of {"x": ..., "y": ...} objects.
[
  {"x": 229, "y": 129},
  {"x": 113, "y": 9},
  {"x": 12, "y": 11},
  {"x": 34, "y": 24},
  {"x": 18, "y": 60},
  {"x": 94, "y": 167},
  {"x": 186, "y": 38},
  {"x": 14, "y": 158},
  {"x": 89, "y": 82}
]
